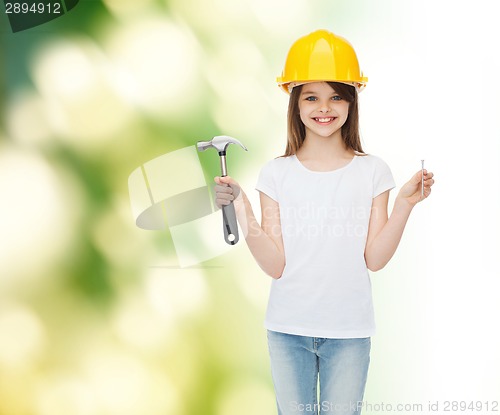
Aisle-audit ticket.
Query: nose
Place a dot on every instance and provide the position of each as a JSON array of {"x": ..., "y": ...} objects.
[{"x": 325, "y": 106}]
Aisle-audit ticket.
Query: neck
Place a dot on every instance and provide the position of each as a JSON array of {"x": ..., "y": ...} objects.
[{"x": 324, "y": 148}]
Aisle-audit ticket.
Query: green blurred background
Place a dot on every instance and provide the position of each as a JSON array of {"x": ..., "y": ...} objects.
[{"x": 97, "y": 316}]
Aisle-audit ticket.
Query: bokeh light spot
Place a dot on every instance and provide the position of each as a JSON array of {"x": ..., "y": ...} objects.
[
  {"x": 159, "y": 59},
  {"x": 175, "y": 293},
  {"x": 27, "y": 119},
  {"x": 22, "y": 334},
  {"x": 77, "y": 84},
  {"x": 37, "y": 215},
  {"x": 246, "y": 397}
]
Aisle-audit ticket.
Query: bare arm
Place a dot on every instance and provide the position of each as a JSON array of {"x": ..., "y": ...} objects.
[
  {"x": 384, "y": 234},
  {"x": 264, "y": 241}
]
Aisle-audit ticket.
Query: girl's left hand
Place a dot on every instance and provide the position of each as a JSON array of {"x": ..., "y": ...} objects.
[{"x": 411, "y": 192}]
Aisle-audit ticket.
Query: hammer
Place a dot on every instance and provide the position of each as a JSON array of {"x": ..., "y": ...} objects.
[{"x": 220, "y": 143}]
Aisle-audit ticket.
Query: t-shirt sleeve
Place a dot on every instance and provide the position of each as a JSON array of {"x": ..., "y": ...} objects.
[
  {"x": 382, "y": 179},
  {"x": 266, "y": 182}
]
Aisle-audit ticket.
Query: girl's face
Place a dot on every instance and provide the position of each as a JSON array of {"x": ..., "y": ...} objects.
[{"x": 322, "y": 110}]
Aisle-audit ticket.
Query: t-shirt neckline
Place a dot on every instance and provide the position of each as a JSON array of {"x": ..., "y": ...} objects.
[{"x": 297, "y": 161}]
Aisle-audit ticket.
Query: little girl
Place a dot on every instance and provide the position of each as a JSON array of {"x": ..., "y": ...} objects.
[{"x": 324, "y": 225}]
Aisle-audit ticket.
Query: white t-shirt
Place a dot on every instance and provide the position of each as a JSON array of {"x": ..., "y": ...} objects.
[{"x": 325, "y": 288}]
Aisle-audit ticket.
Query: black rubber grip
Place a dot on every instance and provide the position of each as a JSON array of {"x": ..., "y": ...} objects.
[{"x": 230, "y": 224}]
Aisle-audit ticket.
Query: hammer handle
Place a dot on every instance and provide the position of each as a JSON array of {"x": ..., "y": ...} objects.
[
  {"x": 230, "y": 224},
  {"x": 228, "y": 214}
]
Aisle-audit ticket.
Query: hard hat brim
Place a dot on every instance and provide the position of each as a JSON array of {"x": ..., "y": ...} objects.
[{"x": 288, "y": 86}]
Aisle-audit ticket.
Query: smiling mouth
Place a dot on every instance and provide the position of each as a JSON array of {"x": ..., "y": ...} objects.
[{"x": 325, "y": 120}]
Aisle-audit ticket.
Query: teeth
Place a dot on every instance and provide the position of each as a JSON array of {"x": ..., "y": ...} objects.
[{"x": 324, "y": 119}]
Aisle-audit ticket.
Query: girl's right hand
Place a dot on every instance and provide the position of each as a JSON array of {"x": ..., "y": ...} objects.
[{"x": 227, "y": 190}]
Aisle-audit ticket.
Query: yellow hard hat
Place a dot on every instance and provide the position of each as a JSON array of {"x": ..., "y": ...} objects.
[{"x": 321, "y": 56}]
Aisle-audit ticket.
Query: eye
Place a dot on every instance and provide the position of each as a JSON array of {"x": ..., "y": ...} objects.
[
  {"x": 337, "y": 98},
  {"x": 311, "y": 98}
]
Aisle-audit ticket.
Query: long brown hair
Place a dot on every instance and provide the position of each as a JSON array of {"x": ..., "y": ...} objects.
[{"x": 349, "y": 131}]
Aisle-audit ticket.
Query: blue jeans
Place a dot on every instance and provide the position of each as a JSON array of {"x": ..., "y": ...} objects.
[{"x": 296, "y": 363}]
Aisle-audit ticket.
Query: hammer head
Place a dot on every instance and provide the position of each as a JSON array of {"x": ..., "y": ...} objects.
[{"x": 220, "y": 143}]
